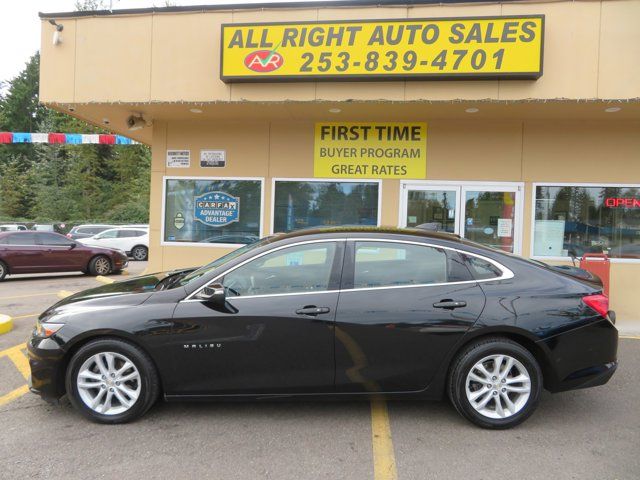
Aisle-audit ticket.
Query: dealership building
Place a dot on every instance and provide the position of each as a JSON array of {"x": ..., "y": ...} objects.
[{"x": 513, "y": 124}]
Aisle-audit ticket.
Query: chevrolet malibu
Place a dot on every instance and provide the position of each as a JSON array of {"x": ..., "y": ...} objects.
[{"x": 347, "y": 312}]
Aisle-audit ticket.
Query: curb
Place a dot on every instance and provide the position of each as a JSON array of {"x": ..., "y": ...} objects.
[
  {"x": 6, "y": 324},
  {"x": 105, "y": 280},
  {"x": 64, "y": 294}
]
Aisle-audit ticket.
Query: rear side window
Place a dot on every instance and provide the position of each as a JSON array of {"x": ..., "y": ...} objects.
[
  {"x": 381, "y": 264},
  {"x": 22, "y": 239},
  {"x": 481, "y": 269}
]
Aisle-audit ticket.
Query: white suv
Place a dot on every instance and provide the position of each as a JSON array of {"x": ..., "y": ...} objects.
[{"x": 134, "y": 241}]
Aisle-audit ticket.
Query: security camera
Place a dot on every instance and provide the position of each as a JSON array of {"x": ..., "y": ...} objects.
[
  {"x": 57, "y": 35},
  {"x": 137, "y": 122}
]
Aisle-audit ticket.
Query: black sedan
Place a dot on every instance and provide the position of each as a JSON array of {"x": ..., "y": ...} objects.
[{"x": 332, "y": 312}]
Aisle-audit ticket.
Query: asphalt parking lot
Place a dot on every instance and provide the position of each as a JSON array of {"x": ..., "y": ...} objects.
[{"x": 587, "y": 434}]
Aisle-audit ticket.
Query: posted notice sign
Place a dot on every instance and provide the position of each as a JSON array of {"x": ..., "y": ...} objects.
[
  {"x": 370, "y": 150},
  {"x": 468, "y": 47}
]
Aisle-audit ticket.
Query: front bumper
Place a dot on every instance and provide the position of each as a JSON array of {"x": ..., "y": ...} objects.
[
  {"x": 581, "y": 358},
  {"x": 46, "y": 359}
]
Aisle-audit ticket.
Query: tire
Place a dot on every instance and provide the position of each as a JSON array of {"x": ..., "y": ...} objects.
[
  {"x": 97, "y": 265},
  {"x": 464, "y": 386},
  {"x": 140, "y": 253},
  {"x": 145, "y": 386},
  {"x": 3, "y": 270}
]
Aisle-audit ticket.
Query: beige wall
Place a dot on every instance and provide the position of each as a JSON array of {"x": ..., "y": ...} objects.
[
  {"x": 591, "y": 51},
  {"x": 528, "y": 151}
]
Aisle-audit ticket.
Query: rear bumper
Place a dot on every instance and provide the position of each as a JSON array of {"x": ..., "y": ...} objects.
[
  {"x": 46, "y": 360},
  {"x": 581, "y": 358}
]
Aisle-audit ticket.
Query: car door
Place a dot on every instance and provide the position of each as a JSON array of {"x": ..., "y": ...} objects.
[
  {"x": 60, "y": 253},
  {"x": 402, "y": 307},
  {"x": 22, "y": 254},
  {"x": 103, "y": 239},
  {"x": 275, "y": 335}
]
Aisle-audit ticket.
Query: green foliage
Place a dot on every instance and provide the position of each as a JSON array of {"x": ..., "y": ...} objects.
[{"x": 66, "y": 183}]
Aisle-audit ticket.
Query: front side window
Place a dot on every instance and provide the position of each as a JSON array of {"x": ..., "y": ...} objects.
[
  {"x": 108, "y": 234},
  {"x": 210, "y": 211},
  {"x": 380, "y": 264},
  {"x": 578, "y": 220},
  {"x": 52, "y": 239},
  {"x": 304, "y": 204},
  {"x": 297, "y": 269}
]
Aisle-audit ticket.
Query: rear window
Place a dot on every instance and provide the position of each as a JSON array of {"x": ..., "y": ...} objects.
[
  {"x": 482, "y": 269},
  {"x": 22, "y": 239},
  {"x": 381, "y": 264}
]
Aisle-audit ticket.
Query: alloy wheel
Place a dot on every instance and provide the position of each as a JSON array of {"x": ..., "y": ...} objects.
[
  {"x": 102, "y": 266},
  {"x": 108, "y": 383},
  {"x": 139, "y": 253},
  {"x": 498, "y": 386}
]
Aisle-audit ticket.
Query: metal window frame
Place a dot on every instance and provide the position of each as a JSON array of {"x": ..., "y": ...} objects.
[
  {"x": 555, "y": 258},
  {"x": 322, "y": 180},
  {"x": 166, "y": 243}
]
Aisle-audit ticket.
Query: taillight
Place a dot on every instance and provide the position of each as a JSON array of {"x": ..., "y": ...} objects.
[
  {"x": 68, "y": 235},
  {"x": 599, "y": 303}
]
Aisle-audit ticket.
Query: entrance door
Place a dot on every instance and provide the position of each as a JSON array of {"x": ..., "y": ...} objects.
[{"x": 487, "y": 213}]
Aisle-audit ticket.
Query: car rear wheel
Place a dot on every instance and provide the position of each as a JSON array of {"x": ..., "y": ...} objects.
[
  {"x": 99, "y": 265},
  {"x": 140, "y": 253},
  {"x": 3, "y": 271},
  {"x": 495, "y": 383},
  {"x": 111, "y": 381}
]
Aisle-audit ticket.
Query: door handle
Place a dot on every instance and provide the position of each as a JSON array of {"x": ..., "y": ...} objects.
[
  {"x": 449, "y": 304},
  {"x": 312, "y": 310}
]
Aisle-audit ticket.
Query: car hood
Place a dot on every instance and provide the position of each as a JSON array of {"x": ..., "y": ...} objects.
[{"x": 127, "y": 293}]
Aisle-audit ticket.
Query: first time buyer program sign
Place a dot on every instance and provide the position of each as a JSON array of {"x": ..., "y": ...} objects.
[
  {"x": 370, "y": 150},
  {"x": 467, "y": 47}
]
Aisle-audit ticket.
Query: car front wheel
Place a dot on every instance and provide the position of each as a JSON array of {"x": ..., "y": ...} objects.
[
  {"x": 495, "y": 383},
  {"x": 99, "y": 265},
  {"x": 111, "y": 381},
  {"x": 3, "y": 271}
]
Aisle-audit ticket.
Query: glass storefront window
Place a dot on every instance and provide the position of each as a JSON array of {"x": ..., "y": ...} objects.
[
  {"x": 432, "y": 206},
  {"x": 212, "y": 211},
  {"x": 587, "y": 219},
  {"x": 303, "y": 204}
]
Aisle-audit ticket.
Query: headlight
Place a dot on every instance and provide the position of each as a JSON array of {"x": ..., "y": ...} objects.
[{"x": 46, "y": 329}]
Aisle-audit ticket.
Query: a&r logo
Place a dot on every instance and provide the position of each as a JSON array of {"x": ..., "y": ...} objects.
[{"x": 263, "y": 61}]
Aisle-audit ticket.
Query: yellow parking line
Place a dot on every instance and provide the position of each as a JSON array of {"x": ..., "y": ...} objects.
[
  {"x": 633, "y": 337},
  {"x": 29, "y": 315},
  {"x": 384, "y": 461},
  {"x": 64, "y": 294},
  {"x": 19, "y": 359},
  {"x": 102, "y": 279},
  {"x": 17, "y": 393}
]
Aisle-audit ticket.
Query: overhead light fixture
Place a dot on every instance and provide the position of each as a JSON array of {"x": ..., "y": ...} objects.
[
  {"x": 195, "y": 110},
  {"x": 138, "y": 122},
  {"x": 57, "y": 34},
  {"x": 472, "y": 110},
  {"x": 612, "y": 109},
  {"x": 335, "y": 110},
  {"x": 106, "y": 121},
  {"x": 72, "y": 109}
]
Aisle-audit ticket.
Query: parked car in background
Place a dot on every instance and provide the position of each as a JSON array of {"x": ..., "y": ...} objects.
[
  {"x": 12, "y": 228},
  {"x": 346, "y": 312},
  {"x": 86, "y": 231},
  {"x": 44, "y": 227},
  {"x": 44, "y": 252},
  {"x": 134, "y": 241}
]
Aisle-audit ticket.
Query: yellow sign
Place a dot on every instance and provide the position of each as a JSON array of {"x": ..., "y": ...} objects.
[
  {"x": 482, "y": 47},
  {"x": 370, "y": 150}
]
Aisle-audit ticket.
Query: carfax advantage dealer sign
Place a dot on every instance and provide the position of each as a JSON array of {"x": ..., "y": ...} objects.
[
  {"x": 370, "y": 150},
  {"x": 472, "y": 47}
]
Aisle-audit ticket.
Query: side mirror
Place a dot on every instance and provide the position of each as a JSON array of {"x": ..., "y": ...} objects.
[
  {"x": 72, "y": 245},
  {"x": 213, "y": 294}
]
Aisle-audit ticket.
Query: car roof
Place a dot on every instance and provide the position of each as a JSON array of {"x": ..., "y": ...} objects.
[{"x": 416, "y": 232}]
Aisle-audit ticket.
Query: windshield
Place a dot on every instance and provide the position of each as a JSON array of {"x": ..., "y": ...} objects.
[{"x": 219, "y": 261}]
